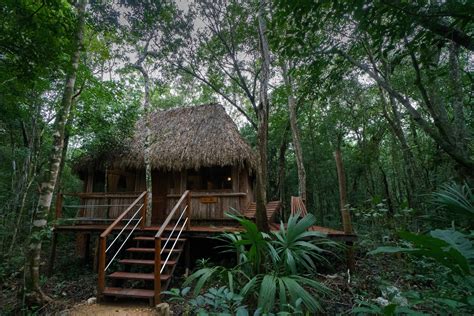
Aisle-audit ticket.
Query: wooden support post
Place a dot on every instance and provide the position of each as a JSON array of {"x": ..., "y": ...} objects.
[
  {"x": 346, "y": 217},
  {"x": 157, "y": 278},
  {"x": 87, "y": 249},
  {"x": 144, "y": 209},
  {"x": 59, "y": 205},
  {"x": 187, "y": 257},
  {"x": 188, "y": 211},
  {"x": 95, "y": 265},
  {"x": 101, "y": 272},
  {"x": 52, "y": 255}
]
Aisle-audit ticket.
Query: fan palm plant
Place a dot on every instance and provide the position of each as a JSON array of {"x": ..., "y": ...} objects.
[
  {"x": 455, "y": 198},
  {"x": 271, "y": 267},
  {"x": 298, "y": 247}
]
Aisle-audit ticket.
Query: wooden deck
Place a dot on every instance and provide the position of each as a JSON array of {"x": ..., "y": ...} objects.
[
  {"x": 199, "y": 231},
  {"x": 199, "y": 228}
]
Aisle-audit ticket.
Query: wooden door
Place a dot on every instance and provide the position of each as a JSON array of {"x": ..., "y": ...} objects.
[{"x": 160, "y": 182}]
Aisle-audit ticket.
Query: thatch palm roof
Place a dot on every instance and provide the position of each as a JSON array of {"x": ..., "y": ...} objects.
[{"x": 189, "y": 137}]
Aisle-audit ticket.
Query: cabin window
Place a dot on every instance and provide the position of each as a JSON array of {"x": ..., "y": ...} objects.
[
  {"x": 99, "y": 182},
  {"x": 213, "y": 178},
  {"x": 122, "y": 184}
]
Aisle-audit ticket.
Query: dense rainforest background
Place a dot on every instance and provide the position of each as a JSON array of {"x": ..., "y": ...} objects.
[{"x": 385, "y": 85}]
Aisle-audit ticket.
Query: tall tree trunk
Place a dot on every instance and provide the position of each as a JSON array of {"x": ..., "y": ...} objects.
[
  {"x": 394, "y": 121},
  {"x": 386, "y": 187},
  {"x": 28, "y": 176},
  {"x": 341, "y": 176},
  {"x": 263, "y": 109},
  {"x": 147, "y": 150},
  {"x": 346, "y": 216},
  {"x": 295, "y": 134},
  {"x": 40, "y": 219},
  {"x": 459, "y": 120},
  {"x": 282, "y": 170}
]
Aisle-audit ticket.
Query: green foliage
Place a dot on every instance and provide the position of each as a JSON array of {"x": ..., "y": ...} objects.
[
  {"x": 271, "y": 268},
  {"x": 364, "y": 308},
  {"x": 449, "y": 248},
  {"x": 455, "y": 198},
  {"x": 296, "y": 247}
]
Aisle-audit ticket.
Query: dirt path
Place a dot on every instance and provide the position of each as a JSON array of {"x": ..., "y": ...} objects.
[{"x": 111, "y": 309}]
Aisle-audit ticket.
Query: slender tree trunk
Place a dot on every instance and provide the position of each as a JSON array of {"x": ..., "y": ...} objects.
[
  {"x": 40, "y": 219},
  {"x": 341, "y": 176},
  {"x": 346, "y": 216},
  {"x": 295, "y": 134},
  {"x": 263, "y": 109},
  {"x": 459, "y": 120},
  {"x": 67, "y": 134},
  {"x": 147, "y": 152},
  {"x": 394, "y": 121},
  {"x": 282, "y": 169},
  {"x": 386, "y": 187}
]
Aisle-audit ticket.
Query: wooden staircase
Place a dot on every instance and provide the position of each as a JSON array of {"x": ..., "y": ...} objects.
[
  {"x": 146, "y": 263},
  {"x": 141, "y": 258}
]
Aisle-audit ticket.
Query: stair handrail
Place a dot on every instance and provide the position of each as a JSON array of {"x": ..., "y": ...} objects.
[
  {"x": 103, "y": 237},
  {"x": 157, "y": 267},
  {"x": 109, "y": 229}
]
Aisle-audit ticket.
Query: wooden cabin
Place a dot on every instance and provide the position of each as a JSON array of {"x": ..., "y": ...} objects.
[
  {"x": 192, "y": 148},
  {"x": 201, "y": 168}
]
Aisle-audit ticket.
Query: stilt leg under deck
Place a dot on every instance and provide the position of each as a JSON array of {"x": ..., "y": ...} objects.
[
  {"x": 87, "y": 248},
  {"x": 52, "y": 255},
  {"x": 187, "y": 257},
  {"x": 350, "y": 256}
]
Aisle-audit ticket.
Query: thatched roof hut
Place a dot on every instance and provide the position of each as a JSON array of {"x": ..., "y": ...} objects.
[{"x": 186, "y": 138}]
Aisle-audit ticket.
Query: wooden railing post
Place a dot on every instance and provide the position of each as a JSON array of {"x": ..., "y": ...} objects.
[
  {"x": 144, "y": 209},
  {"x": 101, "y": 272},
  {"x": 59, "y": 205},
  {"x": 157, "y": 286},
  {"x": 188, "y": 211}
]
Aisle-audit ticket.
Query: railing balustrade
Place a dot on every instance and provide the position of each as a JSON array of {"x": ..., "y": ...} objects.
[
  {"x": 139, "y": 216},
  {"x": 185, "y": 219},
  {"x": 92, "y": 207}
]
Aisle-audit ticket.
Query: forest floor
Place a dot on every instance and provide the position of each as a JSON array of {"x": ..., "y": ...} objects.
[
  {"x": 73, "y": 283},
  {"x": 111, "y": 309}
]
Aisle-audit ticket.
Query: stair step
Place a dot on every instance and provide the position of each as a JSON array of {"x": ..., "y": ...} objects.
[
  {"x": 137, "y": 276},
  {"x": 125, "y": 292},
  {"x": 150, "y": 238},
  {"x": 152, "y": 250},
  {"x": 146, "y": 262}
]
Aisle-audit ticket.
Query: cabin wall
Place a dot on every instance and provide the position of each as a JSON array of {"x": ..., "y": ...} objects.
[
  {"x": 212, "y": 204},
  {"x": 208, "y": 205},
  {"x": 168, "y": 186}
]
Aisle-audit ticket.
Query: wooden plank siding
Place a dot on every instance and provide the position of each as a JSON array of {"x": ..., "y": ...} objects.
[
  {"x": 209, "y": 211},
  {"x": 168, "y": 186}
]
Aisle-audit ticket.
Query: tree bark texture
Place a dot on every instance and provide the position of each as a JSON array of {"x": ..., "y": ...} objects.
[
  {"x": 263, "y": 108},
  {"x": 282, "y": 170},
  {"x": 346, "y": 216},
  {"x": 295, "y": 133},
  {"x": 147, "y": 151},
  {"x": 40, "y": 220},
  {"x": 341, "y": 177}
]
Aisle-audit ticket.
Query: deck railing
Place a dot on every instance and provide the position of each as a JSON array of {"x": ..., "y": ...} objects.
[
  {"x": 92, "y": 207},
  {"x": 184, "y": 207},
  {"x": 139, "y": 216}
]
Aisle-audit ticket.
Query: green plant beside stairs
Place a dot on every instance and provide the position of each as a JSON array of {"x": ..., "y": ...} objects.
[{"x": 273, "y": 272}]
